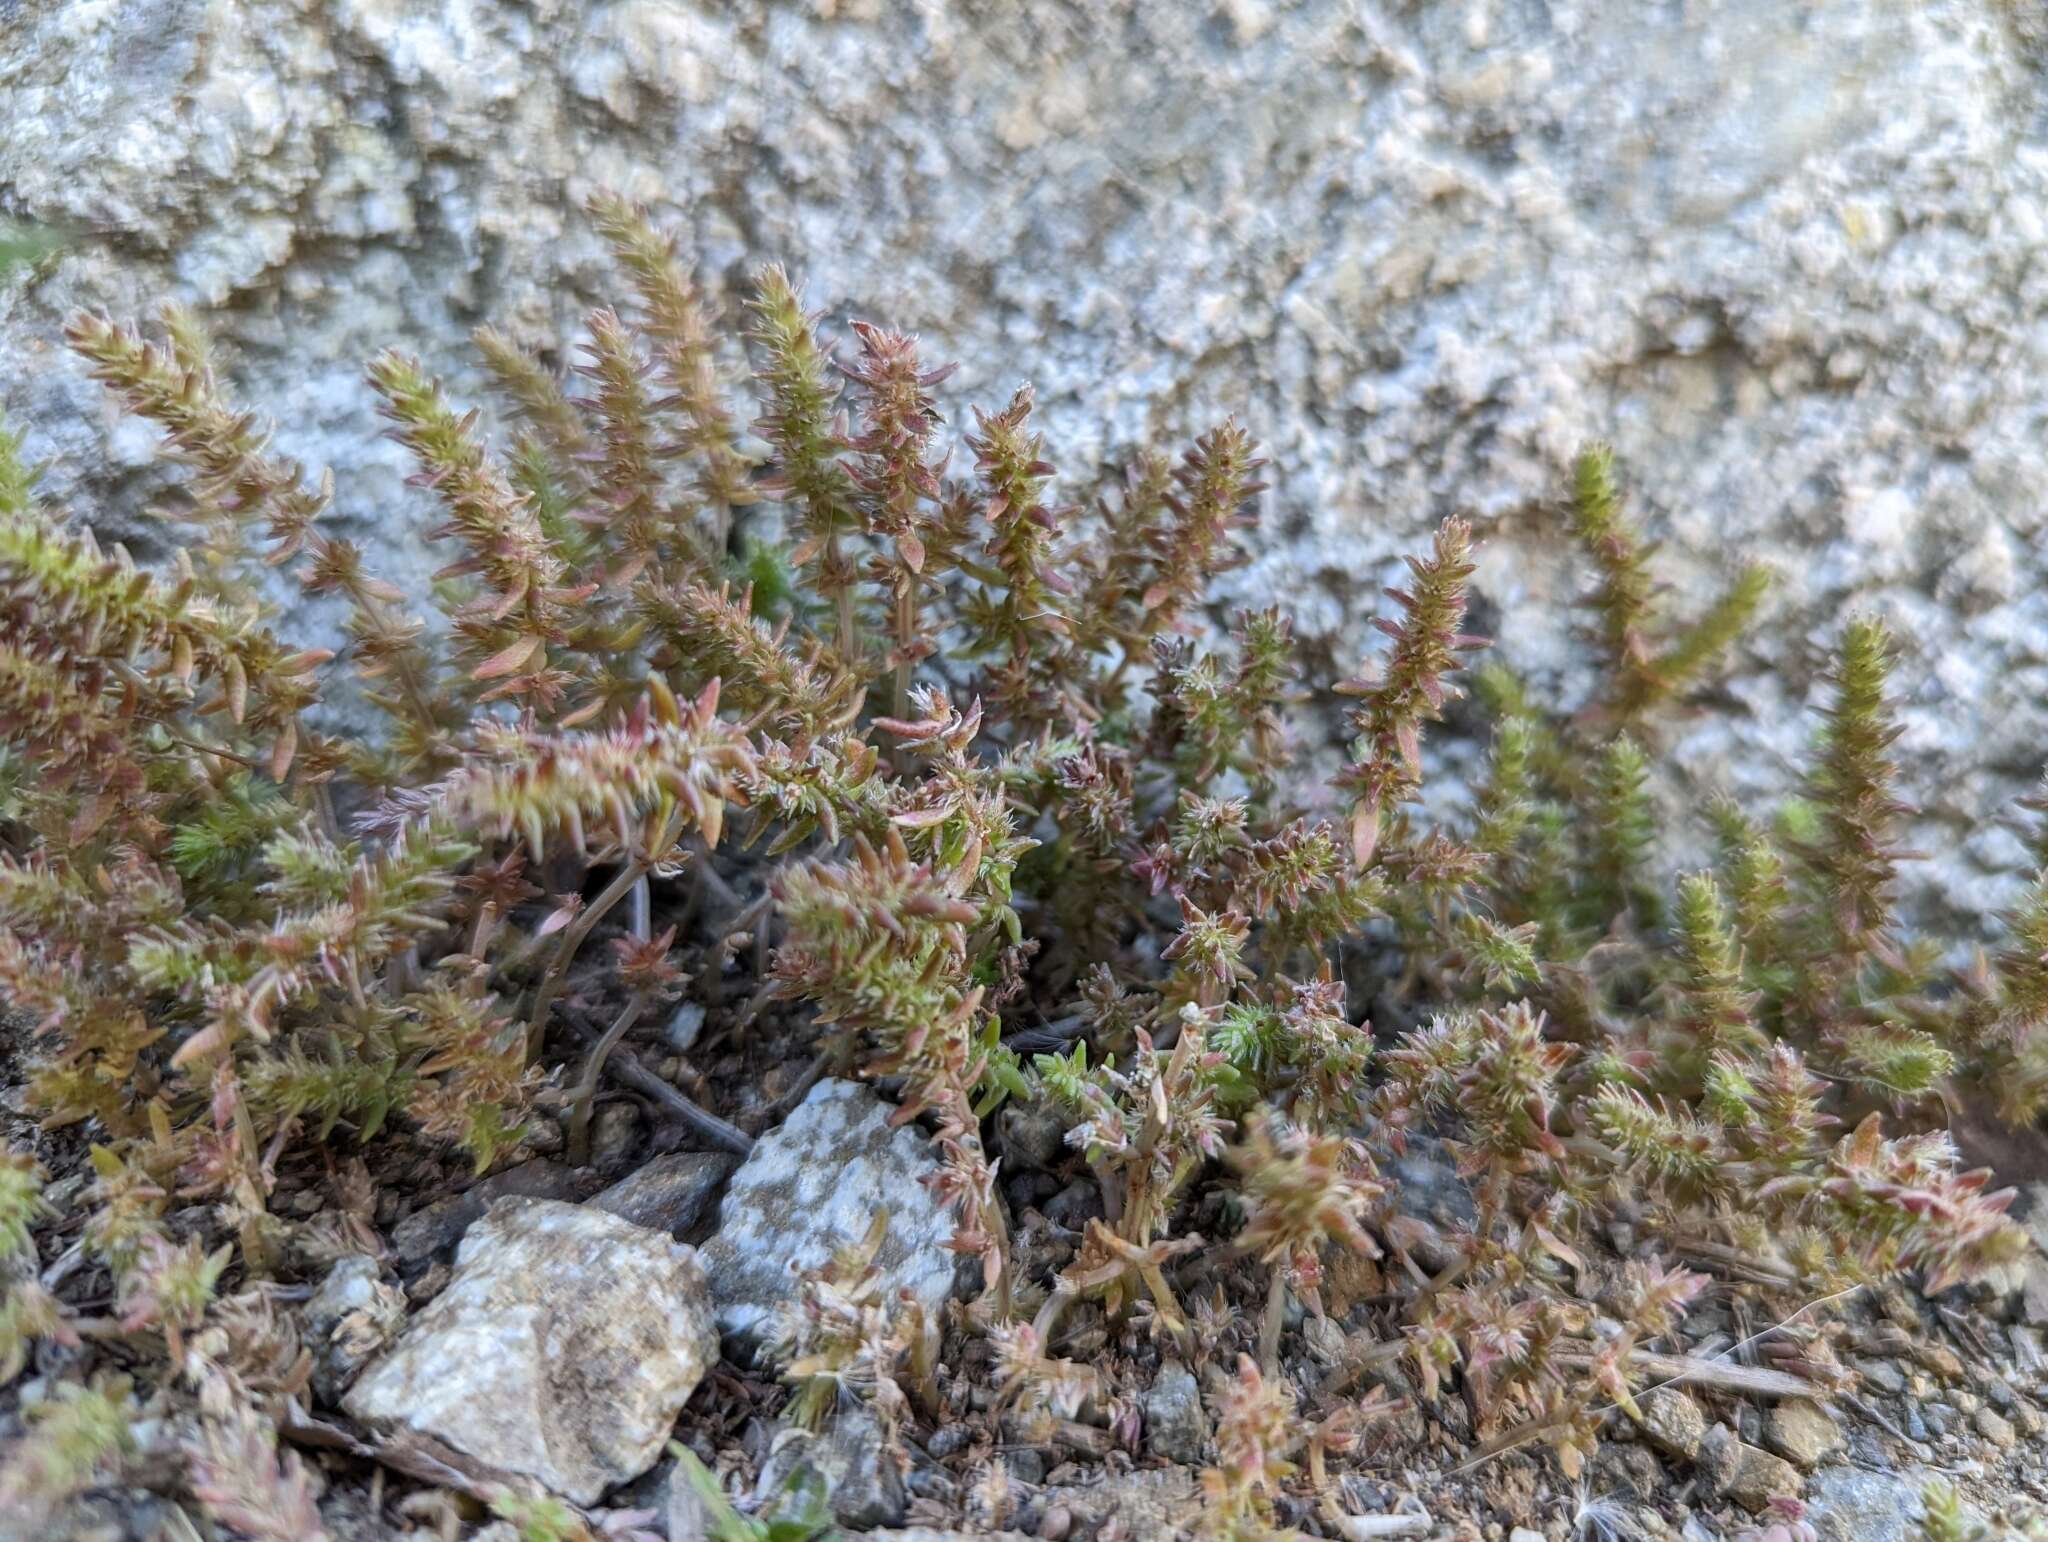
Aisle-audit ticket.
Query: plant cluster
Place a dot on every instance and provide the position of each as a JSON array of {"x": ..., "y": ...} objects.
[{"x": 983, "y": 767}]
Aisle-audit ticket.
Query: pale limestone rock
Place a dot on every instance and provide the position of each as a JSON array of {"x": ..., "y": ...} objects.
[
  {"x": 1786, "y": 257},
  {"x": 562, "y": 1349},
  {"x": 815, "y": 1185}
]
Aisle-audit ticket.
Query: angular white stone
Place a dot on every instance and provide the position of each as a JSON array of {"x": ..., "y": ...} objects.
[
  {"x": 562, "y": 1349},
  {"x": 815, "y": 1185}
]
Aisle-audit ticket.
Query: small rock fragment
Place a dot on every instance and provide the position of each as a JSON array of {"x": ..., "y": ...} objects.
[
  {"x": 1674, "y": 1423},
  {"x": 614, "y": 1136},
  {"x": 1994, "y": 1427},
  {"x": 440, "y": 1225},
  {"x": 683, "y": 1027},
  {"x": 812, "y": 1187},
  {"x": 1075, "y": 1205},
  {"x": 1162, "y": 1502},
  {"x": 1761, "y": 1477},
  {"x": 1033, "y": 1135},
  {"x": 1942, "y": 1361},
  {"x": 350, "y": 1317},
  {"x": 562, "y": 1349},
  {"x": 1175, "y": 1427},
  {"x": 670, "y": 1193},
  {"x": 861, "y": 1477},
  {"x": 1802, "y": 1432},
  {"x": 1716, "y": 1460},
  {"x": 1882, "y": 1375},
  {"x": 1852, "y": 1504}
]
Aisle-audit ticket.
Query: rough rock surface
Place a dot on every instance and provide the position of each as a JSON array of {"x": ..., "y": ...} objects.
[
  {"x": 1157, "y": 1502},
  {"x": 1851, "y": 1504},
  {"x": 441, "y": 1224},
  {"x": 1761, "y": 1477},
  {"x": 815, "y": 1185},
  {"x": 1674, "y": 1423},
  {"x": 349, "y": 1318},
  {"x": 562, "y": 1349},
  {"x": 851, "y": 1464},
  {"x": 1802, "y": 1432},
  {"x": 1785, "y": 256},
  {"x": 670, "y": 1193},
  {"x": 1175, "y": 1427}
]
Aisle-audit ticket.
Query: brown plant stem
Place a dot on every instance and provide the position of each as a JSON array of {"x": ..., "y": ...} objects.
[
  {"x": 1272, "y": 1320},
  {"x": 842, "y": 596},
  {"x": 584, "y": 1094},
  {"x": 623, "y": 1066},
  {"x": 579, "y": 930}
]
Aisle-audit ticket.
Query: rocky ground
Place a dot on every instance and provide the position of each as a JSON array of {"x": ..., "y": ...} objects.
[{"x": 565, "y": 1324}]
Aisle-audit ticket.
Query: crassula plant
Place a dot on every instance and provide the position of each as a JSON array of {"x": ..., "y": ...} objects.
[{"x": 962, "y": 738}]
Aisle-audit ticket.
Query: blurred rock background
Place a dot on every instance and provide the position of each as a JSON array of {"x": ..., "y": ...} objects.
[{"x": 1785, "y": 255}]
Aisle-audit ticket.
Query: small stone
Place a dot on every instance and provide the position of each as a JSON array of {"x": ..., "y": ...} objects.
[
  {"x": 815, "y": 1185},
  {"x": 543, "y": 1137},
  {"x": 948, "y": 1439},
  {"x": 352, "y": 1316},
  {"x": 1994, "y": 1427},
  {"x": 1718, "y": 1458},
  {"x": 1524, "y": 1534},
  {"x": 1075, "y": 1205},
  {"x": 1056, "y": 1524},
  {"x": 562, "y": 1350},
  {"x": 2034, "y": 1289},
  {"x": 1761, "y": 1477},
  {"x": 1033, "y": 1135},
  {"x": 432, "y": 1281},
  {"x": 439, "y": 1226},
  {"x": 614, "y": 1137},
  {"x": 1161, "y": 1502},
  {"x": 1852, "y": 1504},
  {"x": 670, "y": 1193},
  {"x": 1674, "y": 1423},
  {"x": 1176, "y": 1430},
  {"x": 683, "y": 1027},
  {"x": 863, "y": 1485},
  {"x": 1323, "y": 1341},
  {"x": 1430, "y": 1185},
  {"x": 1802, "y": 1432},
  {"x": 1882, "y": 1375},
  {"x": 1943, "y": 1362}
]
